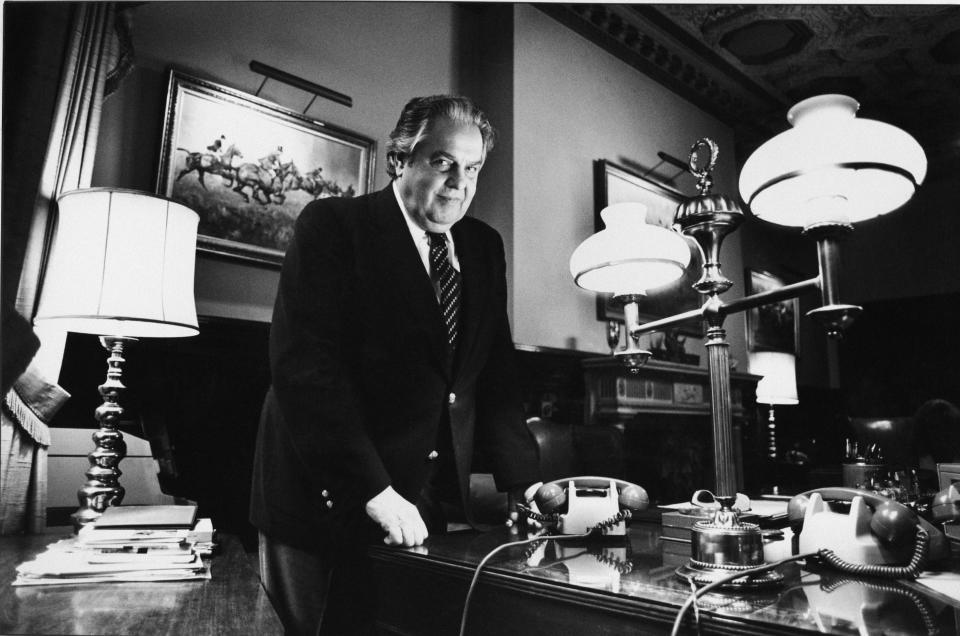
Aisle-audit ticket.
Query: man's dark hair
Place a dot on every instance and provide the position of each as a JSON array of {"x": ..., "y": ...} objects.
[{"x": 421, "y": 112}]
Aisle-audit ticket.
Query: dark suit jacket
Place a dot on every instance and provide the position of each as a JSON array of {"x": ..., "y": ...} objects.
[{"x": 361, "y": 381}]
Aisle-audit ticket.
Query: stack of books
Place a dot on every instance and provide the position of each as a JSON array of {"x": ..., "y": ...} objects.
[
  {"x": 675, "y": 535},
  {"x": 128, "y": 543}
]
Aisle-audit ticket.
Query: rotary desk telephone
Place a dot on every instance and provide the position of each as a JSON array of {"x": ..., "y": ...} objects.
[
  {"x": 877, "y": 537},
  {"x": 575, "y": 508},
  {"x": 581, "y": 505}
]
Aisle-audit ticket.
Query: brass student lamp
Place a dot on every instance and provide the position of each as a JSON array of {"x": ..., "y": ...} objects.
[{"x": 827, "y": 172}]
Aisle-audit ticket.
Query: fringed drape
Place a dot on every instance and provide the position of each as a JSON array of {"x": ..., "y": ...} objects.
[{"x": 91, "y": 56}]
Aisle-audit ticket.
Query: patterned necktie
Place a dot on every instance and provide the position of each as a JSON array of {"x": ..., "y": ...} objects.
[{"x": 447, "y": 280}]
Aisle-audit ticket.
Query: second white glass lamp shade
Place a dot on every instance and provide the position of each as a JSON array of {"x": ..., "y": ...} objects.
[
  {"x": 831, "y": 167},
  {"x": 629, "y": 256}
]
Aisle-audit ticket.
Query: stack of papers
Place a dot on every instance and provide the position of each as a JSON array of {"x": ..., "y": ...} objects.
[{"x": 132, "y": 543}]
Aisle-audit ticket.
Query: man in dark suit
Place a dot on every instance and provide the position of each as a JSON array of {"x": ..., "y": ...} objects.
[{"x": 392, "y": 364}]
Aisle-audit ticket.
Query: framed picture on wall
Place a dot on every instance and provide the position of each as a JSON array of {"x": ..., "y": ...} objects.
[
  {"x": 772, "y": 327},
  {"x": 616, "y": 184},
  {"x": 248, "y": 166}
]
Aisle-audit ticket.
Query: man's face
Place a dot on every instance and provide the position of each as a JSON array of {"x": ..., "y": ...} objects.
[{"x": 437, "y": 181}]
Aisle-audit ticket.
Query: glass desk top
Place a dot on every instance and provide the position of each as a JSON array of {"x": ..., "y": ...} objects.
[{"x": 639, "y": 573}]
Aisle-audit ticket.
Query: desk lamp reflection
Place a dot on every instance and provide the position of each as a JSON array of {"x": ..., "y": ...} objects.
[
  {"x": 121, "y": 267},
  {"x": 829, "y": 171}
]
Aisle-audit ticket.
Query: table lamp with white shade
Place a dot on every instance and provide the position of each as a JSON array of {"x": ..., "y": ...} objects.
[
  {"x": 121, "y": 267},
  {"x": 778, "y": 385}
]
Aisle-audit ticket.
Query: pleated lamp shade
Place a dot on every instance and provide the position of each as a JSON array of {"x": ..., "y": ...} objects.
[{"x": 121, "y": 264}]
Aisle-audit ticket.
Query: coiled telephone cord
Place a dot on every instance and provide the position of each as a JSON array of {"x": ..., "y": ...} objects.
[
  {"x": 618, "y": 564},
  {"x": 553, "y": 518},
  {"x": 926, "y": 612},
  {"x": 529, "y": 513},
  {"x": 912, "y": 570}
]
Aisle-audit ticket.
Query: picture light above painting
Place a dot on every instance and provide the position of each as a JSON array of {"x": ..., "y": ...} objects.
[{"x": 248, "y": 166}]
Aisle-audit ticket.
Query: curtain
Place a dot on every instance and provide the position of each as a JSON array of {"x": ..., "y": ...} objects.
[{"x": 92, "y": 58}]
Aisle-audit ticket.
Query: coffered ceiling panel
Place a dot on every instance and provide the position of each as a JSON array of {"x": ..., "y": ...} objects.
[{"x": 748, "y": 63}]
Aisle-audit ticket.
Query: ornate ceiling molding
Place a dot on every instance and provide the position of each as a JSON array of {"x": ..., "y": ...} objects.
[
  {"x": 747, "y": 64},
  {"x": 700, "y": 76}
]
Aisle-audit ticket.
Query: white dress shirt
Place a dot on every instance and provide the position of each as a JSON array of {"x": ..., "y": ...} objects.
[{"x": 420, "y": 238}]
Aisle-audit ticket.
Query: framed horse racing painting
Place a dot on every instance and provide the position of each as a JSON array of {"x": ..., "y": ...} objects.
[{"x": 248, "y": 166}]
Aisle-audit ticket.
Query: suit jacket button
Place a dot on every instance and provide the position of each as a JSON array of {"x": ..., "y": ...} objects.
[
  {"x": 433, "y": 455},
  {"x": 452, "y": 398}
]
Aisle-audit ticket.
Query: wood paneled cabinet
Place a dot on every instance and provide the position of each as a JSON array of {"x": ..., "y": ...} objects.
[
  {"x": 615, "y": 393},
  {"x": 653, "y": 427}
]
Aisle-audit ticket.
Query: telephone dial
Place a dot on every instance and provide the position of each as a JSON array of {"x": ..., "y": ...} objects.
[
  {"x": 579, "y": 505},
  {"x": 876, "y": 537}
]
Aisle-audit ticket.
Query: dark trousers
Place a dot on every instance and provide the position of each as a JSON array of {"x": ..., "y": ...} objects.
[
  {"x": 317, "y": 594},
  {"x": 333, "y": 593}
]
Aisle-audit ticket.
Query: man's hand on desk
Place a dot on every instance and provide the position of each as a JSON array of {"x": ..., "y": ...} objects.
[{"x": 399, "y": 518}]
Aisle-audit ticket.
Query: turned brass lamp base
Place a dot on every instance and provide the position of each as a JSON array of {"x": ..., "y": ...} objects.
[{"x": 102, "y": 488}]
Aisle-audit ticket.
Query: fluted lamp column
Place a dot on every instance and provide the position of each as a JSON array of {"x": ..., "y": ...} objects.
[{"x": 121, "y": 266}]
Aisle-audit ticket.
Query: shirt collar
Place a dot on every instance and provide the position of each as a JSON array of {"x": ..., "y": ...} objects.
[{"x": 417, "y": 232}]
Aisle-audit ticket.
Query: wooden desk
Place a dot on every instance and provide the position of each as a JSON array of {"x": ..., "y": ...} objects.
[
  {"x": 232, "y": 602},
  {"x": 625, "y": 588}
]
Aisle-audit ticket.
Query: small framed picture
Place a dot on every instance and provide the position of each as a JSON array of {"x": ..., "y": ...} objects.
[
  {"x": 248, "y": 166},
  {"x": 771, "y": 327}
]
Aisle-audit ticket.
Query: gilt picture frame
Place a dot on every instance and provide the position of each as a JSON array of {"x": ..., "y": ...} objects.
[
  {"x": 614, "y": 183},
  {"x": 775, "y": 326},
  {"x": 248, "y": 166}
]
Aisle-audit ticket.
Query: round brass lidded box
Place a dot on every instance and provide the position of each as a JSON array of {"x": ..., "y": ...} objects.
[{"x": 724, "y": 545}]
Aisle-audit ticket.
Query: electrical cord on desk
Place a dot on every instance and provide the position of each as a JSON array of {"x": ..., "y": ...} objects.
[
  {"x": 692, "y": 599},
  {"x": 490, "y": 555},
  {"x": 623, "y": 515},
  {"x": 911, "y": 570},
  {"x": 530, "y": 513}
]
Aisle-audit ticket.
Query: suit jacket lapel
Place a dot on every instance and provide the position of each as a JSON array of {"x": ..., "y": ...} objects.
[{"x": 400, "y": 256}]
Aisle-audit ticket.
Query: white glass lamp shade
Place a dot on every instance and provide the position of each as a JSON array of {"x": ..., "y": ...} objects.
[
  {"x": 779, "y": 382},
  {"x": 831, "y": 167},
  {"x": 628, "y": 256},
  {"x": 121, "y": 264}
]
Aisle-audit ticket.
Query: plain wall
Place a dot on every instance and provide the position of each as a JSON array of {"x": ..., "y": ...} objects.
[
  {"x": 575, "y": 103},
  {"x": 373, "y": 52}
]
